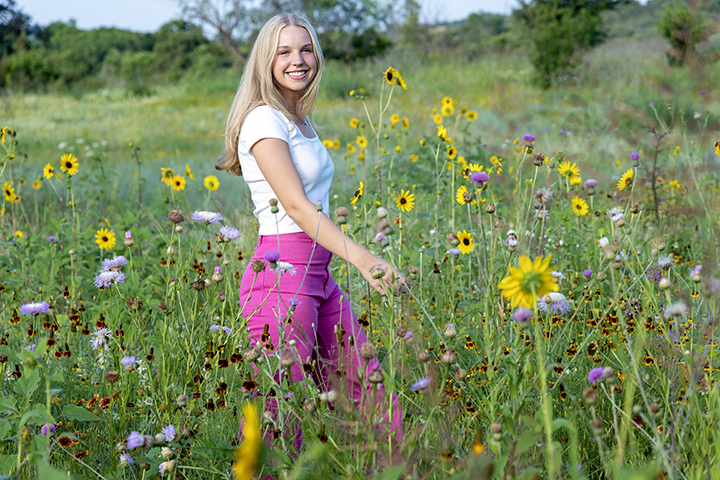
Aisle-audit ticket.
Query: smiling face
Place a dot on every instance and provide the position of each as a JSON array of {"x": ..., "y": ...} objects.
[{"x": 295, "y": 65}]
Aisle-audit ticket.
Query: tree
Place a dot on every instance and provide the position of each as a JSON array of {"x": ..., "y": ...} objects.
[
  {"x": 684, "y": 26},
  {"x": 14, "y": 25},
  {"x": 558, "y": 31},
  {"x": 224, "y": 16}
]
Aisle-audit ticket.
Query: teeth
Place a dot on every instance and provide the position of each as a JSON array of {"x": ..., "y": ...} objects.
[{"x": 296, "y": 74}]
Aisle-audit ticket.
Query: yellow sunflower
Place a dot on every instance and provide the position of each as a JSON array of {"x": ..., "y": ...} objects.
[
  {"x": 471, "y": 116},
  {"x": 452, "y": 152},
  {"x": 2, "y": 134},
  {"x": 437, "y": 118},
  {"x": 189, "y": 172},
  {"x": 393, "y": 76},
  {"x": 167, "y": 176},
  {"x": 247, "y": 454},
  {"x": 358, "y": 193},
  {"x": 9, "y": 192},
  {"x": 361, "y": 141},
  {"x": 580, "y": 206},
  {"x": 36, "y": 184},
  {"x": 48, "y": 171},
  {"x": 354, "y": 122},
  {"x": 466, "y": 242},
  {"x": 394, "y": 118},
  {"x": 459, "y": 195},
  {"x": 405, "y": 123},
  {"x": 105, "y": 239},
  {"x": 405, "y": 201},
  {"x": 568, "y": 170},
  {"x": 211, "y": 182},
  {"x": 447, "y": 101},
  {"x": 351, "y": 148},
  {"x": 414, "y": 158},
  {"x": 525, "y": 284},
  {"x": 447, "y": 110},
  {"x": 178, "y": 183},
  {"x": 328, "y": 144},
  {"x": 626, "y": 180},
  {"x": 443, "y": 134},
  {"x": 69, "y": 164},
  {"x": 336, "y": 144}
]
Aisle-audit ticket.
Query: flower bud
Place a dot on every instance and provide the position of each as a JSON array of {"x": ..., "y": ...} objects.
[
  {"x": 217, "y": 276},
  {"x": 590, "y": 395},
  {"x": 167, "y": 453},
  {"x": 178, "y": 228},
  {"x": 490, "y": 208},
  {"x": 368, "y": 351},
  {"x": 423, "y": 356},
  {"x": 181, "y": 400},
  {"x": 496, "y": 429},
  {"x": 664, "y": 284},
  {"x": 176, "y": 216},
  {"x": 376, "y": 376},
  {"x": 287, "y": 357},
  {"x": 460, "y": 374},
  {"x": 251, "y": 354},
  {"x": 448, "y": 357},
  {"x": 450, "y": 331}
]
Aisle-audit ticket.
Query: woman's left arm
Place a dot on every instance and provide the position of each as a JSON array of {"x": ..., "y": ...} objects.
[{"x": 275, "y": 162}]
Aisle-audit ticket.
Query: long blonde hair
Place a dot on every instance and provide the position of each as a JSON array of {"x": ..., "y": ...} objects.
[{"x": 258, "y": 86}]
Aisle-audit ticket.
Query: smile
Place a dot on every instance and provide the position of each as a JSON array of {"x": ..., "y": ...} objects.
[{"x": 297, "y": 75}]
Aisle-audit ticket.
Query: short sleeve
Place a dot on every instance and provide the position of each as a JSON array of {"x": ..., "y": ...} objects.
[{"x": 263, "y": 122}]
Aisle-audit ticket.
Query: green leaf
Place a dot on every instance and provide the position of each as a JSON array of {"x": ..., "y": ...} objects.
[
  {"x": 27, "y": 384},
  {"x": 46, "y": 472},
  {"x": 73, "y": 412},
  {"x": 526, "y": 440},
  {"x": 392, "y": 473},
  {"x": 7, "y": 463},
  {"x": 7, "y": 404},
  {"x": 5, "y": 427}
]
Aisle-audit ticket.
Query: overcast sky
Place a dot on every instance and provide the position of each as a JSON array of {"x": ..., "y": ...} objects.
[{"x": 149, "y": 15}]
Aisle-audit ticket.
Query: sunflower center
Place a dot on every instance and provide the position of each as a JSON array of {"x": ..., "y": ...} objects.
[
  {"x": 466, "y": 242},
  {"x": 531, "y": 282},
  {"x": 628, "y": 181},
  {"x": 403, "y": 200},
  {"x": 104, "y": 239}
]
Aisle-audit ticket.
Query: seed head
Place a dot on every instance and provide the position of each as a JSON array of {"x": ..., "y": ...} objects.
[
  {"x": 376, "y": 376},
  {"x": 368, "y": 351},
  {"x": 112, "y": 376},
  {"x": 176, "y": 216}
]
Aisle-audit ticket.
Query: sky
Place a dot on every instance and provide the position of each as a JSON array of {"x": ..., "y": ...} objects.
[{"x": 149, "y": 15}]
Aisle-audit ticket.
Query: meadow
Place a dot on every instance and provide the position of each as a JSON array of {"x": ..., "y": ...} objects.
[{"x": 560, "y": 246}]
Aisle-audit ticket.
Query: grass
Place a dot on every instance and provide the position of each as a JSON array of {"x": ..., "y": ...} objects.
[{"x": 504, "y": 397}]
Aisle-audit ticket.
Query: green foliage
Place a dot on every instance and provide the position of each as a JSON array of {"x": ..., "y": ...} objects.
[
  {"x": 558, "y": 32},
  {"x": 684, "y": 26}
]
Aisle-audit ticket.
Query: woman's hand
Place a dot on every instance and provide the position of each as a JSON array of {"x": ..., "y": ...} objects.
[{"x": 380, "y": 275}]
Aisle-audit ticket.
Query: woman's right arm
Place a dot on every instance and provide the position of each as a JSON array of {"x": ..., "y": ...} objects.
[{"x": 275, "y": 162}]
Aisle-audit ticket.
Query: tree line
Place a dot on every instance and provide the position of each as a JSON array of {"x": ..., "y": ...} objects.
[{"x": 553, "y": 33}]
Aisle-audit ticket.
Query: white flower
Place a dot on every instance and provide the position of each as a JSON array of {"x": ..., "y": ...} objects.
[
  {"x": 207, "y": 217},
  {"x": 603, "y": 241},
  {"x": 100, "y": 338},
  {"x": 614, "y": 211},
  {"x": 554, "y": 302},
  {"x": 665, "y": 262},
  {"x": 169, "y": 433},
  {"x": 283, "y": 267},
  {"x": 676, "y": 309}
]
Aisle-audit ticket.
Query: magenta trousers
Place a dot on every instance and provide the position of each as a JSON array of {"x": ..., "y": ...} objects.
[{"x": 322, "y": 323}]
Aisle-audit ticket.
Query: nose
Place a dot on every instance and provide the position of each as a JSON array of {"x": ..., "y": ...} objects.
[{"x": 297, "y": 58}]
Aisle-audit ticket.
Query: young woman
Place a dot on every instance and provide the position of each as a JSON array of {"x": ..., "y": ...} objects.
[{"x": 270, "y": 140}]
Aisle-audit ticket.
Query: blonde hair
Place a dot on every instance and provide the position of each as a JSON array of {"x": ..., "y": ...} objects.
[{"x": 258, "y": 86}]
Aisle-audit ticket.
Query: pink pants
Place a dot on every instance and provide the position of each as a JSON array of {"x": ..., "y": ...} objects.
[{"x": 323, "y": 325}]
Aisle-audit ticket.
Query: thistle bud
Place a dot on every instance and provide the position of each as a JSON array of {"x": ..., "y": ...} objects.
[
  {"x": 217, "y": 276},
  {"x": 423, "y": 356},
  {"x": 368, "y": 351},
  {"x": 664, "y": 284},
  {"x": 376, "y": 376},
  {"x": 251, "y": 354},
  {"x": 450, "y": 331},
  {"x": 287, "y": 357},
  {"x": 181, "y": 400},
  {"x": 448, "y": 357},
  {"x": 176, "y": 216},
  {"x": 490, "y": 208}
]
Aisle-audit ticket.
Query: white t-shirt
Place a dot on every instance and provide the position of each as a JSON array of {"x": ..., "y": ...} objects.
[{"x": 309, "y": 155}]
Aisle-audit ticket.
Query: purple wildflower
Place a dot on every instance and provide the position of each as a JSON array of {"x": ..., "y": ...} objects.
[
  {"x": 128, "y": 361},
  {"x": 522, "y": 315},
  {"x": 294, "y": 302},
  {"x": 554, "y": 303},
  {"x": 421, "y": 384},
  {"x": 282, "y": 267},
  {"x": 596, "y": 374},
  {"x": 135, "y": 440},
  {"x": 48, "y": 426},
  {"x": 214, "y": 328},
  {"x": 651, "y": 104},
  {"x": 529, "y": 137},
  {"x": 227, "y": 330},
  {"x": 587, "y": 272},
  {"x": 52, "y": 239},
  {"x": 634, "y": 156},
  {"x": 207, "y": 217},
  {"x": 34, "y": 308},
  {"x": 114, "y": 263},
  {"x": 561, "y": 132},
  {"x": 454, "y": 251},
  {"x": 128, "y": 235},
  {"x": 379, "y": 237},
  {"x": 479, "y": 177},
  {"x": 31, "y": 348},
  {"x": 590, "y": 183},
  {"x": 100, "y": 338},
  {"x": 108, "y": 278},
  {"x": 272, "y": 256},
  {"x": 126, "y": 459},
  {"x": 702, "y": 92},
  {"x": 229, "y": 232},
  {"x": 170, "y": 433}
]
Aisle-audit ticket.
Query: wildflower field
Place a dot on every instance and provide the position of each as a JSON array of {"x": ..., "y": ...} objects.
[{"x": 559, "y": 318}]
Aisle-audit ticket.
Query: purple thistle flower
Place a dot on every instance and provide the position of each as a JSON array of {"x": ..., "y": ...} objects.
[
  {"x": 379, "y": 237},
  {"x": 634, "y": 156},
  {"x": 702, "y": 92},
  {"x": 129, "y": 235},
  {"x": 44, "y": 429},
  {"x": 227, "y": 330},
  {"x": 218, "y": 270},
  {"x": 35, "y": 308},
  {"x": 170, "y": 433},
  {"x": 214, "y": 328},
  {"x": 651, "y": 104},
  {"x": 272, "y": 256},
  {"x": 479, "y": 177},
  {"x": 113, "y": 264},
  {"x": 108, "y": 278},
  {"x": 229, "y": 232},
  {"x": 207, "y": 217},
  {"x": 421, "y": 384},
  {"x": 522, "y": 315},
  {"x": 454, "y": 251},
  {"x": 294, "y": 302},
  {"x": 587, "y": 272},
  {"x": 590, "y": 183},
  {"x": 128, "y": 361},
  {"x": 561, "y": 132},
  {"x": 596, "y": 374},
  {"x": 52, "y": 239},
  {"x": 529, "y": 137},
  {"x": 135, "y": 440},
  {"x": 555, "y": 303}
]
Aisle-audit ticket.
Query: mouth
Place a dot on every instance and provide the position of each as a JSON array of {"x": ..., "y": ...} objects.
[{"x": 297, "y": 75}]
